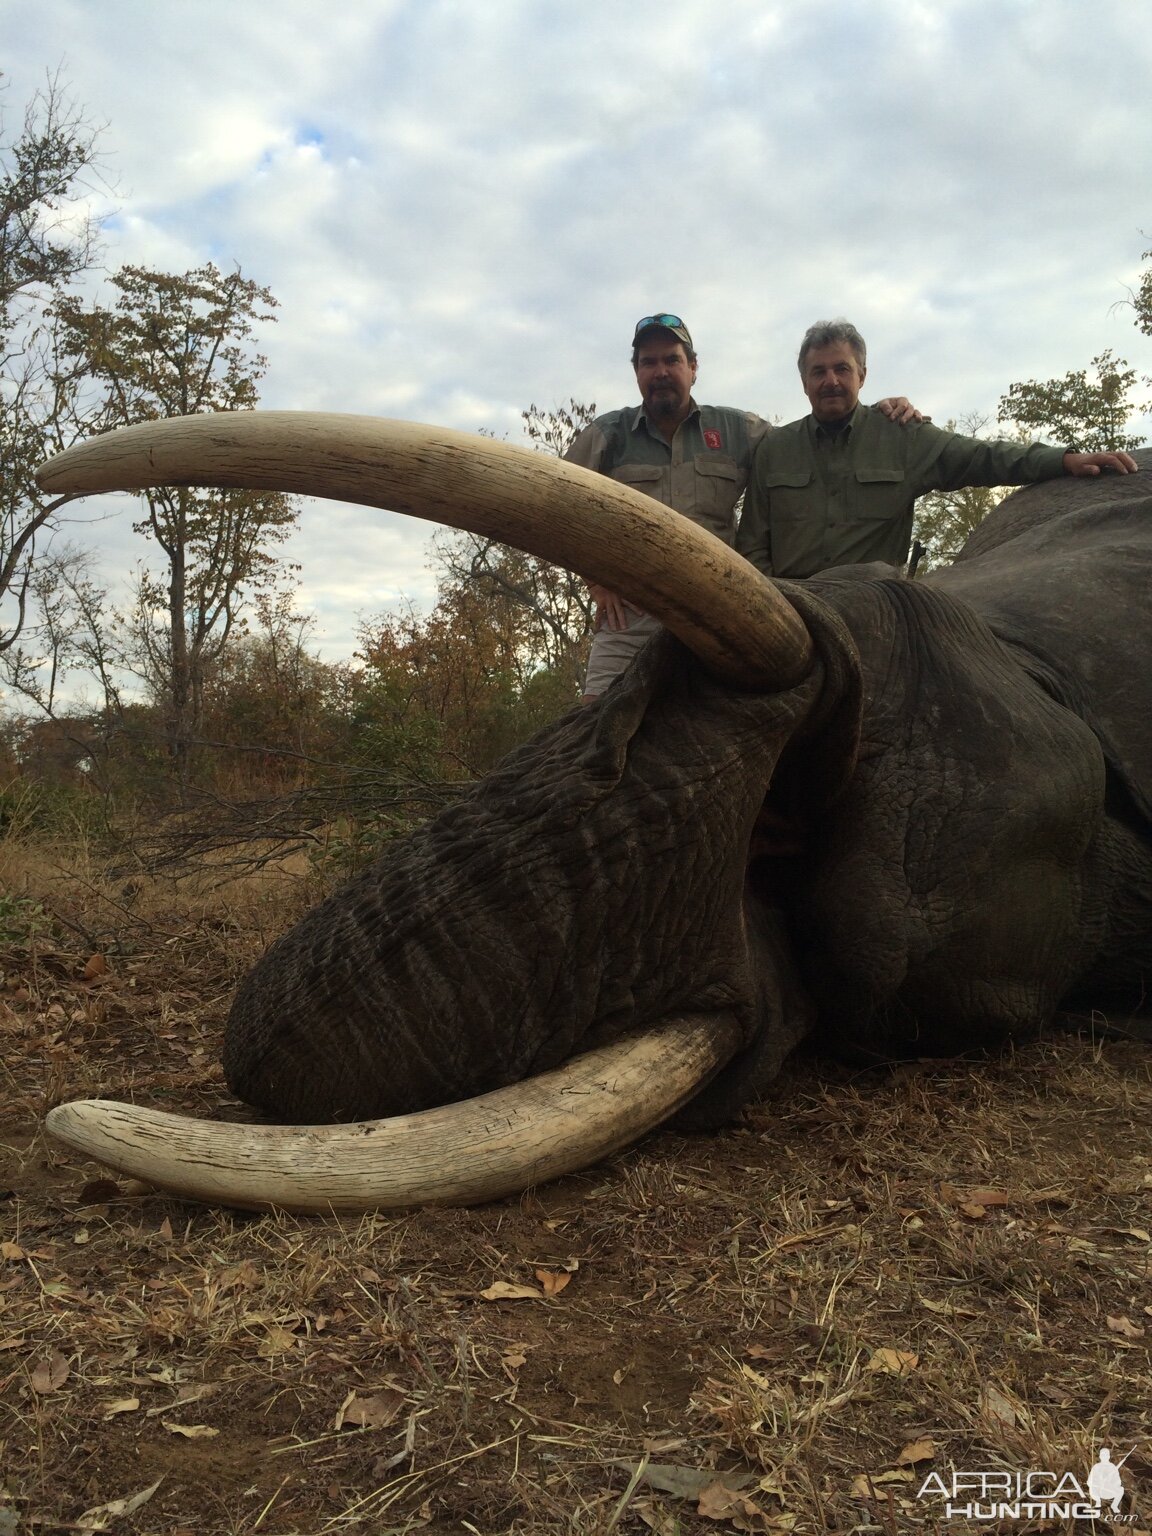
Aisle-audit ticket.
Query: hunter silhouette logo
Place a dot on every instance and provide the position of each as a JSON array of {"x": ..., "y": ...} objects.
[
  {"x": 999, "y": 1496},
  {"x": 1105, "y": 1485}
]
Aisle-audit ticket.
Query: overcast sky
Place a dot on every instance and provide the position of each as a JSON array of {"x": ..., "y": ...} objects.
[{"x": 463, "y": 206}]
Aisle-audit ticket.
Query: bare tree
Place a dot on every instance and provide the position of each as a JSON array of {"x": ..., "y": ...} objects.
[
  {"x": 175, "y": 346},
  {"x": 48, "y": 237}
]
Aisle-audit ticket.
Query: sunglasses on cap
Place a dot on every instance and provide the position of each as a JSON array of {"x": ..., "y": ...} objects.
[{"x": 670, "y": 322}]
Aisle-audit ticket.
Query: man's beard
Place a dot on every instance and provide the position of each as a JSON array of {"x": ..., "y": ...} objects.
[{"x": 663, "y": 402}]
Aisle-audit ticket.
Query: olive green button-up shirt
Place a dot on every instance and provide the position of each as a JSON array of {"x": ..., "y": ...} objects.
[
  {"x": 702, "y": 473},
  {"x": 818, "y": 498}
]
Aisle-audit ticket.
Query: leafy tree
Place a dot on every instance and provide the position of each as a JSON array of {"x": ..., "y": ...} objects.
[
  {"x": 1078, "y": 411},
  {"x": 945, "y": 519},
  {"x": 500, "y": 655},
  {"x": 47, "y": 241},
  {"x": 274, "y": 712},
  {"x": 175, "y": 346},
  {"x": 439, "y": 688},
  {"x": 70, "y": 630},
  {"x": 545, "y": 609}
]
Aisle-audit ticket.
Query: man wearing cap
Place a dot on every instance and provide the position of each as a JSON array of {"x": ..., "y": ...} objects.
[
  {"x": 838, "y": 487},
  {"x": 693, "y": 458}
]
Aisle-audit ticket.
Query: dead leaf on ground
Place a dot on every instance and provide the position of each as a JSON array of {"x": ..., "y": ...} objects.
[
  {"x": 948, "y": 1308},
  {"x": 894, "y": 1362},
  {"x": 240, "y": 1277},
  {"x": 50, "y": 1374},
  {"x": 375, "y": 1412},
  {"x": 768, "y": 1351},
  {"x": 552, "y": 1281},
  {"x": 719, "y": 1502},
  {"x": 864, "y": 1485},
  {"x": 916, "y": 1450},
  {"x": 191, "y": 1431},
  {"x": 185, "y": 1395},
  {"x": 121, "y": 1405},
  {"x": 997, "y": 1407},
  {"x": 506, "y": 1290},
  {"x": 1126, "y": 1329},
  {"x": 277, "y": 1341},
  {"x": 968, "y": 1200},
  {"x": 97, "y": 1519},
  {"x": 165, "y": 1228},
  {"x": 684, "y": 1482}
]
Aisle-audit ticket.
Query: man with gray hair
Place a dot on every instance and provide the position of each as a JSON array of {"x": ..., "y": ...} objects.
[
  {"x": 693, "y": 458},
  {"x": 838, "y": 486}
]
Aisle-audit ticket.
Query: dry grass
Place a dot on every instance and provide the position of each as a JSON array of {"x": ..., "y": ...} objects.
[{"x": 785, "y": 1328}]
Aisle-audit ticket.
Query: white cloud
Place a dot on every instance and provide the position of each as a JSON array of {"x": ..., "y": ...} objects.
[{"x": 463, "y": 209}]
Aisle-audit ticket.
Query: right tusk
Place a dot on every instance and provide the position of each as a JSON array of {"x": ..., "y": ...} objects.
[
  {"x": 739, "y": 624},
  {"x": 460, "y": 1154}
]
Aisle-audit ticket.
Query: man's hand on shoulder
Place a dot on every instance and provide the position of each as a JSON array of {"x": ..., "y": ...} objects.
[
  {"x": 899, "y": 408},
  {"x": 1099, "y": 463}
]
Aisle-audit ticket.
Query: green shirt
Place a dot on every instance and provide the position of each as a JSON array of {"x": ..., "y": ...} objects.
[
  {"x": 818, "y": 498},
  {"x": 703, "y": 471}
]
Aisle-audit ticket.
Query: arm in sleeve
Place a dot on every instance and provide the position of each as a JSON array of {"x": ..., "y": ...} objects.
[
  {"x": 757, "y": 428},
  {"x": 957, "y": 461},
  {"x": 587, "y": 448},
  {"x": 753, "y": 536}
]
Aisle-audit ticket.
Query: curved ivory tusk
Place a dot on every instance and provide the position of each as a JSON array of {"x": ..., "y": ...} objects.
[
  {"x": 732, "y": 617},
  {"x": 460, "y": 1154}
]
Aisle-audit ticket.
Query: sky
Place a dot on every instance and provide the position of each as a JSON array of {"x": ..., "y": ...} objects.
[{"x": 463, "y": 206}]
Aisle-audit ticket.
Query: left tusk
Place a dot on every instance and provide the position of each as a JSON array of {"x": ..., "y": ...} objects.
[
  {"x": 737, "y": 622},
  {"x": 460, "y": 1154}
]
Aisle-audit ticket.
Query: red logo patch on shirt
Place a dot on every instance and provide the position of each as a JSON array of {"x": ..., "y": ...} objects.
[{"x": 712, "y": 438}]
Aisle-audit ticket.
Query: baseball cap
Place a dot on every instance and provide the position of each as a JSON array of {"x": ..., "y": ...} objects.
[{"x": 666, "y": 322}]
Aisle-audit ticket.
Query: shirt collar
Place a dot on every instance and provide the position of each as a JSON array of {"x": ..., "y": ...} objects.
[
  {"x": 822, "y": 434},
  {"x": 693, "y": 410}
]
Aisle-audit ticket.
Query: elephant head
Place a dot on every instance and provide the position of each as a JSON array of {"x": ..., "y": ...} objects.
[{"x": 574, "y": 951}]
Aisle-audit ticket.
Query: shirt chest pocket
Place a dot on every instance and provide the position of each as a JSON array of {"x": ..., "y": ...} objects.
[
  {"x": 647, "y": 478},
  {"x": 716, "y": 492},
  {"x": 879, "y": 492},
  {"x": 789, "y": 494}
]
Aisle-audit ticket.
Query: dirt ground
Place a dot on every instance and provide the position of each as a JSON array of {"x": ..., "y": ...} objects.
[{"x": 941, "y": 1269}]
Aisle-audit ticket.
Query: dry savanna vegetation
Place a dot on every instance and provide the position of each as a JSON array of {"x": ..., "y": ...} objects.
[{"x": 785, "y": 1328}]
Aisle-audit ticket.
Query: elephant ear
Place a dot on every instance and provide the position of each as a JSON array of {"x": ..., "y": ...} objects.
[{"x": 820, "y": 760}]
